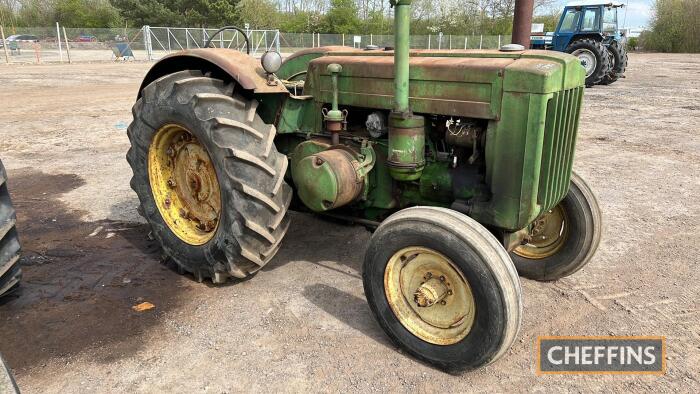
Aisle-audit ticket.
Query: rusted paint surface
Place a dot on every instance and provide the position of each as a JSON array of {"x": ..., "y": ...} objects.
[
  {"x": 244, "y": 69},
  {"x": 439, "y": 85},
  {"x": 320, "y": 50}
]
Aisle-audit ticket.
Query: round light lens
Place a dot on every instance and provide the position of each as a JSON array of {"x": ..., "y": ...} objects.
[{"x": 271, "y": 62}]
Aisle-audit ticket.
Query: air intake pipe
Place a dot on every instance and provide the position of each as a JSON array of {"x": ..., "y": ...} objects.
[{"x": 406, "y": 131}]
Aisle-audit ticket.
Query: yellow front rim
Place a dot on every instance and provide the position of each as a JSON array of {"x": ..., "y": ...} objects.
[
  {"x": 547, "y": 235},
  {"x": 184, "y": 184},
  {"x": 429, "y": 295}
]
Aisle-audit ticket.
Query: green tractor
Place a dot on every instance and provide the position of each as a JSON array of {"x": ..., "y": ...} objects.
[{"x": 462, "y": 160}]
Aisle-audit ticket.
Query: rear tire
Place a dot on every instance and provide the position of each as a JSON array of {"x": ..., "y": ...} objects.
[
  {"x": 10, "y": 271},
  {"x": 471, "y": 251},
  {"x": 589, "y": 50},
  {"x": 618, "y": 62},
  {"x": 610, "y": 77},
  {"x": 250, "y": 172},
  {"x": 581, "y": 237}
]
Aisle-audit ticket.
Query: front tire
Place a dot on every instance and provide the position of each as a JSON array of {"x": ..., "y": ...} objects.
[
  {"x": 563, "y": 240},
  {"x": 426, "y": 267},
  {"x": 208, "y": 176}
]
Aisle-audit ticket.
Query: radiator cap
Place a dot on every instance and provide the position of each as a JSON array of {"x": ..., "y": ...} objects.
[{"x": 512, "y": 48}]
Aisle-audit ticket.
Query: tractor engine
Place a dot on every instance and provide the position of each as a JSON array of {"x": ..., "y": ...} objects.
[{"x": 455, "y": 147}]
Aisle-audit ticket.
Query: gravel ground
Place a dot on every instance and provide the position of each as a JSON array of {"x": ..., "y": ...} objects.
[{"x": 302, "y": 324}]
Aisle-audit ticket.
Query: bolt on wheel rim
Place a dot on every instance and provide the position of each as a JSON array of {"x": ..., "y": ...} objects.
[
  {"x": 184, "y": 184},
  {"x": 588, "y": 60},
  {"x": 429, "y": 295},
  {"x": 547, "y": 235}
]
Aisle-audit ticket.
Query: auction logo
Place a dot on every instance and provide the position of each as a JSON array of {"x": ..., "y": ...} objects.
[{"x": 601, "y": 355}]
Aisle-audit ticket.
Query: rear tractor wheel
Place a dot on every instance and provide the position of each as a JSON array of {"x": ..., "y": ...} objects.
[
  {"x": 208, "y": 176},
  {"x": 10, "y": 272},
  {"x": 618, "y": 59},
  {"x": 443, "y": 288},
  {"x": 563, "y": 240},
  {"x": 594, "y": 59}
]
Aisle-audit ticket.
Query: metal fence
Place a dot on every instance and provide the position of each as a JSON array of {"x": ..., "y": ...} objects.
[
  {"x": 168, "y": 39},
  {"x": 295, "y": 41},
  {"x": 152, "y": 43}
]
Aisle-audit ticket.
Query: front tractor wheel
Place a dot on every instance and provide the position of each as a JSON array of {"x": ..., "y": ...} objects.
[
  {"x": 563, "y": 240},
  {"x": 208, "y": 176},
  {"x": 443, "y": 288}
]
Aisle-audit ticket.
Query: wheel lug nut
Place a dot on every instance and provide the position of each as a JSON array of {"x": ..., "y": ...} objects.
[
  {"x": 442, "y": 278},
  {"x": 443, "y": 302},
  {"x": 172, "y": 183},
  {"x": 167, "y": 202}
]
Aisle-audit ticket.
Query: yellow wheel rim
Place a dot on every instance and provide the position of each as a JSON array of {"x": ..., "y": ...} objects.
[
  {"x": 547, "y": 235},
  {"x": 184, "y": 184},
  {"x": 429, "y": 295}
]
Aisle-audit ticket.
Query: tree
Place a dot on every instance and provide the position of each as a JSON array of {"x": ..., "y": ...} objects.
[
  {"x": 208, "y": 13},
  {"x": 342, "y": 17},
  {"x": 148, "y": 12},
  {"x": 674, "y": 27},
  {"x": 260, "y": 14},
  {"x": 87, "y": 13},
  {"x": 201, "y": 13}
]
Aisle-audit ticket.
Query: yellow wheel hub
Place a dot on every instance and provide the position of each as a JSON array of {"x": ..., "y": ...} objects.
[
  {"x": 547, "y": 235},
  {"x": 429, "y": 295},
  {"x": 184, "y": 184}
]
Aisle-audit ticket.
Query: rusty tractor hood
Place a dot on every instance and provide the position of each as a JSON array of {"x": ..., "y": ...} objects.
[{"x": 460, "y": 83}]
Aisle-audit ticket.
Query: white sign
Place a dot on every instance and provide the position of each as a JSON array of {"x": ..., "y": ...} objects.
[
  {"x": 357, "y": 39},
  {"x": 537, "y": 28}
]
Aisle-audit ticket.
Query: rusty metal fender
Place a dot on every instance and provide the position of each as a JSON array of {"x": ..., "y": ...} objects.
[{"x": 244, "y": 69}]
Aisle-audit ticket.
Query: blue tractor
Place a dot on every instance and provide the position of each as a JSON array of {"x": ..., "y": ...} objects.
[{"x": 589, "y": 30}]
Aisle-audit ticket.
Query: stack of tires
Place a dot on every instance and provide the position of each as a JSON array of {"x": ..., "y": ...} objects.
[
  {"x": 604, "y": 63},
  {"x": 10, "y": 272}
]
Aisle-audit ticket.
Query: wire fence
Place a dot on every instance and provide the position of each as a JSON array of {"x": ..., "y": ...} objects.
[
  {"x": 295, "y": 41},
  {"x": 152, "y": 43}
]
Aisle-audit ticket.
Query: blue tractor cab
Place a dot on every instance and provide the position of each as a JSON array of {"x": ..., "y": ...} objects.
[{"x": 589, "y": 30}]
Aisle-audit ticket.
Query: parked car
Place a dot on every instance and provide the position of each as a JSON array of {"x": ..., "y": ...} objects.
[
  {"x": 20, "y": 38},
  {"x": 86, "y": 38}
]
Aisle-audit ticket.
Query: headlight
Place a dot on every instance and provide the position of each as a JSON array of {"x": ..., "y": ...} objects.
[{"x": 271, "y": 62}]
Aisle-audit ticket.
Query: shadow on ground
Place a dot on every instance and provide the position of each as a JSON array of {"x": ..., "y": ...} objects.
[
  {"x": 352, "y": 311},
  {"x": 80, "y": 279}
]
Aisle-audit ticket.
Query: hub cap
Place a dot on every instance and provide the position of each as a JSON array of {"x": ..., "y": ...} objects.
[
  {"x": 184, "y": 184},
  {"x": 429, "y": 295},
  {"x": 588, "y": 60},
  {"x": 547, "y": 235}
]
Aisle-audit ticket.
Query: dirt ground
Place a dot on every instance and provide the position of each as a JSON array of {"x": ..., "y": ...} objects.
[{"x": 303, "y": 324}]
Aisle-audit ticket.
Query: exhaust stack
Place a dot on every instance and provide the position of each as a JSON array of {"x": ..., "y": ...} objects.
[
  {"x": 402, "y": 37},
  {"x": 522, "y": 22}
]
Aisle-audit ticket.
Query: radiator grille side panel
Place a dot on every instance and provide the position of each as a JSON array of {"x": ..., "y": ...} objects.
[{"x": 559, "y": 144}]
